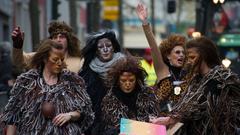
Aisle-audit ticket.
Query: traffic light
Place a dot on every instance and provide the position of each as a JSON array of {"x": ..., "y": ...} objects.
[
  {"x": 55, "y": 13},
  {"x": 171, "y": 6}
]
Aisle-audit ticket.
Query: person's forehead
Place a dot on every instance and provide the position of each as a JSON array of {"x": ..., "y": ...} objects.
[
  {"x": 104, "y": 40},
  {"x": 60, "y": 34},
  {"x": 178, "y": 48},
  {"x": 56, "y": 53},
  {"x": 192, "y": 50},
  {"x": 127, "y": 74}
]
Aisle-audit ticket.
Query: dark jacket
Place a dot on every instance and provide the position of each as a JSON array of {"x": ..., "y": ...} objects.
[{"x": 96, "y": 90}]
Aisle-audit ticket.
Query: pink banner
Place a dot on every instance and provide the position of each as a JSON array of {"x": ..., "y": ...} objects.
[{"x": 132, "y": 127}]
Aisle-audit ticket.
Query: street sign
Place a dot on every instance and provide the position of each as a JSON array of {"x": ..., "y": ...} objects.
[{"x": 110, "y": 10}]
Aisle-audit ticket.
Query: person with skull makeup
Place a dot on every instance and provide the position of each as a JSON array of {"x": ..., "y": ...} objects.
[
  {"x": 129, "y": 96},
  {"x": 101, "y": 51},
  {"x": 48, "y": 99},
  {"x": 211, "y": 105}
]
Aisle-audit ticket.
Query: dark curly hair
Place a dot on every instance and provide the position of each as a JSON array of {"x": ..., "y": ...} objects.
[
  {"x": 127, "y": 64},
  {"x": 168, "y": 44},
  {"x": 58, "y": 27},
  {"x": 207, "y": 50},
  {"x": 89, "y": 51}
]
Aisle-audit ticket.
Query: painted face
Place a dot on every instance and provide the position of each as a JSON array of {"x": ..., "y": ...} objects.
[
  {"x": 105, "y": 50},
  {"x": 177, "y": 56},
  {"x": 127, "y": 82},
  {"x": 55, "y": 62},
  {"x": 62, "y": 40},
  {"x": 193, "y": 58}
]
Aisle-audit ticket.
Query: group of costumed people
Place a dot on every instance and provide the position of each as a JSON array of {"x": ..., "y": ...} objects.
[
  {"x": 68, "y": 91},
  {"x": 209, "y": 102}
]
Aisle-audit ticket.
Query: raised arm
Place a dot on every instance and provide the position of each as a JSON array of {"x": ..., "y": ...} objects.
[
  {"x": 19, "y": 58},
  {"x": 160, "y": 67}
]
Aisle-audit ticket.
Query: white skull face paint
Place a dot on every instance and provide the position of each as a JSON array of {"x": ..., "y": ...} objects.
[{"x": 105, "y": 50}]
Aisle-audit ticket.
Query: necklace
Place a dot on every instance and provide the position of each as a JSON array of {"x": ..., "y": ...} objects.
[
  {"x": 176, "y": 83},
  {"x": 177, "y": 90}
]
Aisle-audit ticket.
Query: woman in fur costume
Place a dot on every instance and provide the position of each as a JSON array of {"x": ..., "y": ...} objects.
[
  {"x": 129, "y": 97},
  {"x": 168, "y": 60},
  {"x": 48, "y": 100}
]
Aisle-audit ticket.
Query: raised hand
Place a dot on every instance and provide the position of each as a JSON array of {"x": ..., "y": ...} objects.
[
  {"x": 17, "y": 38},
  {"x": 142, "y": 12}
]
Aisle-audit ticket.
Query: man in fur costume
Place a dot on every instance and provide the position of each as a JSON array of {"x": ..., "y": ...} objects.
[
  {"x": 211, "y": 106},
  {"x": 59, "y": 32}
]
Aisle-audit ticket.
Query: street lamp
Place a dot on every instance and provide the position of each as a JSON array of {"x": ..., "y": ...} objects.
[
  {"x": 226, "y": 62},
  {"x": 216, "y": 1},
  {"x": 221, "y": 1}
]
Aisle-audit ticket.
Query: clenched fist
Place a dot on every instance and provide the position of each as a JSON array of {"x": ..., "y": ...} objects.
[{"x": 17, "y": 38}]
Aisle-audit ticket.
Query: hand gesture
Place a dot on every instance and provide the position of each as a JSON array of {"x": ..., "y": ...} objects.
[
  {"x": 17, "y": 38},
  {"x": 161, "y": 120},
  {"x": 142, "y": 12},
  {"x": 61, "y": 119}
]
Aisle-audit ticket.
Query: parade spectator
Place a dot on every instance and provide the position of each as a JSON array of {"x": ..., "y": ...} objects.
[
  {"x": 168, "y": 63},
  {"x": 147, "y": 64},
  {"x": 5, "y": 66},
  {"x": 101, "y": 51},
  {"x": 48, "y": 99},
  {"x": 211, "y": 105},
  {"x": 128, "y": 97},
  {"x": 59, "y": 32}
]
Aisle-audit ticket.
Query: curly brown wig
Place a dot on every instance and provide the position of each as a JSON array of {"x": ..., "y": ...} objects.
[
  {"x": 57, "y": 27},
  {"x": 207, "y": 50},
  {"x": 168, "y": 44},
  {"x": 127, "y": 64}
]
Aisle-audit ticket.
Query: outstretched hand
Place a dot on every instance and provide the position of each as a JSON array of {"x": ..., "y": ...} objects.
[
  {"x": 142, "y": 13},
  {"x": 17, "y": 38}
]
